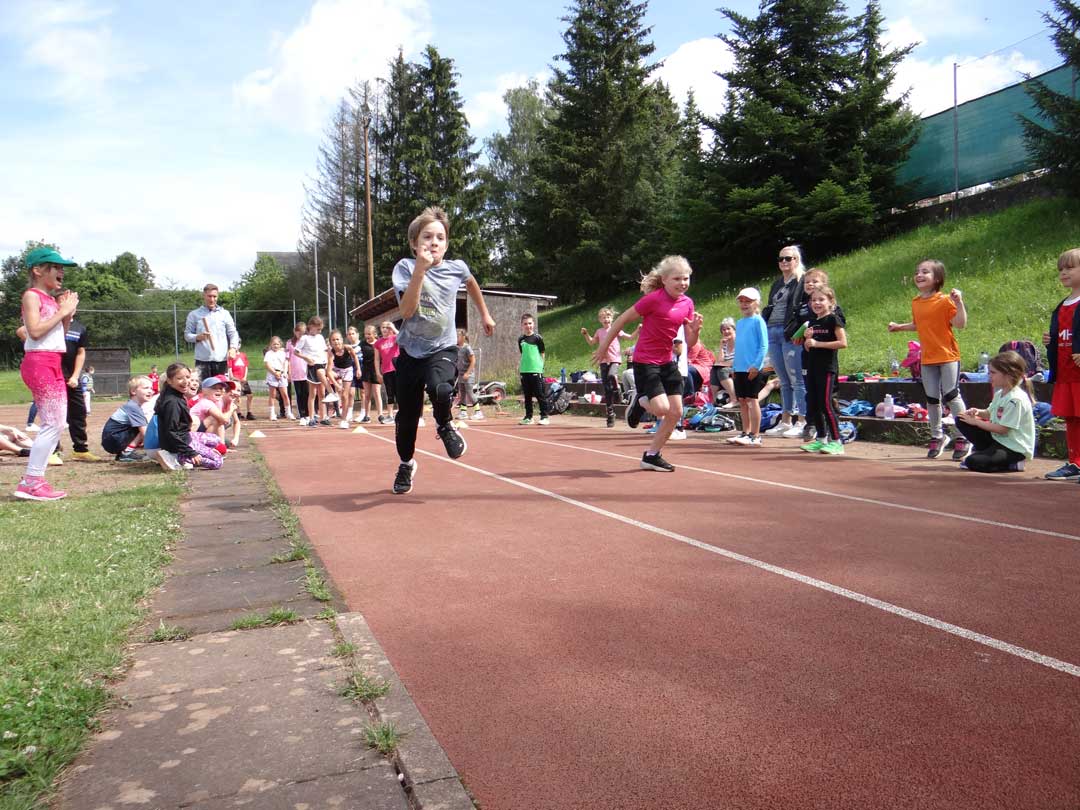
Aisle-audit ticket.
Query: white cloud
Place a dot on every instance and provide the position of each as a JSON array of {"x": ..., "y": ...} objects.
[
  {"x": 931, "y": 80},
  {"x": 947, "y": 18},
  {"x": 337, "y": 44},
  {"x": 486, "y": 110},
  {"x": 693, "y": 66}
]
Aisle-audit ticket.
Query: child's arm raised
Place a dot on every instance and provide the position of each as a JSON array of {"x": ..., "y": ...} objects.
[
  {"x": 630, "y": 314},
  {"x": 472, "y": 287},
  {"x": 692, "y": 328},
  {"x": 591, "y": 338},
  {"x": 959, "y": 320}
]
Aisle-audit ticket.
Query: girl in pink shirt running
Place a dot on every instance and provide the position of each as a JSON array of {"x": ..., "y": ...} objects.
[{"x": 658, "y": 383}]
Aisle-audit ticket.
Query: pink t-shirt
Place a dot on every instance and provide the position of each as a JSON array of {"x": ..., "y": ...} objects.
[
  {"x": 614, "y": 351},
  {"x": 201, "y": 407},
  {"x": 297, "y": 367},
  {"x": 661, "y": 316},
  {"x": 388, "y": 350}
]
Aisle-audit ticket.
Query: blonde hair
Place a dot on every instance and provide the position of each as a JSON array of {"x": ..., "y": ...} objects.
[
  {"x": 818, "y": 273},
  {"x": 270, "y": 345},
  {"x": 388, "y": 326},
  {"x": 654, "y": 279},
  {"x": 800, "y": 268},
  {"x": 605, "y": 310},
  {"x": 432, "y": 213},
  {"x": 1068, "y": 259},
  {"x": 136, "y": 381}
]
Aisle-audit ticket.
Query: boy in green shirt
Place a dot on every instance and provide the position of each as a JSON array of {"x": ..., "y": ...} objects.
[{"x": 531, "y": 346}]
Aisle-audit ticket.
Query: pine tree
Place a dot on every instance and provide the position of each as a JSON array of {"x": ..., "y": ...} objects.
[
  {"x": 592, "y": 218},
  {"x": 1054, "y": 142}
]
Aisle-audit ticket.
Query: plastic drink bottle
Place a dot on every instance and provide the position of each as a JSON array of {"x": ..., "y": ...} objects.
[{"x": 890, "y": 409}]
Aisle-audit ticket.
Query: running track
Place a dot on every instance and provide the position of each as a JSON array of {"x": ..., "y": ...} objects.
[{"x": 760, "y": 629}]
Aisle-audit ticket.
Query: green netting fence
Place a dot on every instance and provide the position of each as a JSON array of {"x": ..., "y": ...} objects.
[{"x": 990, "y": 140}]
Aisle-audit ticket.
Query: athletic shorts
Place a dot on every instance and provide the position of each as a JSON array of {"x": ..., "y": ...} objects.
[
  {"x": 275, "y": 382},
  {"x": 367, "y": 373},
  {"x": 651, "y": 380},
  {"x": 313, "y": 372},
  {"x": 1066, "y": 400},
  {"x": 745, "y": 388},
  {"x": 718, "y": 374},
  {"x": 344, "y": 374},
  {"x": 245, "y": 389}
]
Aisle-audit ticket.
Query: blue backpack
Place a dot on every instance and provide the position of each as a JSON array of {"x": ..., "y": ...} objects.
[{"x": 770, "y": 415}]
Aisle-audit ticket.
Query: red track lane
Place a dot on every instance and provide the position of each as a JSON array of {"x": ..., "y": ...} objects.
[{"x": 566, "y": 660}]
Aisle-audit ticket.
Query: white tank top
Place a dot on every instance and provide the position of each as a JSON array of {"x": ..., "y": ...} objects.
[{"x": 53, "y": 341}]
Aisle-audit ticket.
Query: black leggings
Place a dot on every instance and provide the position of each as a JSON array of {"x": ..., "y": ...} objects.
[
  {"x": 989, "y": 454},
  {"x": 436, "y": 373},
  {"x": 300, "y": 397},
  {"x": 532, "y": 385},
  {"x": 610, "y": 378},
  {"x": 819, "y": 403}
]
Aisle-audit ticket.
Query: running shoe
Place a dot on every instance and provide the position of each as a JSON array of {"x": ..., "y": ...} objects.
[
  {"x": 736, "y": 439},
  {"x": 833, "y": 448},
  {"x": 56, "y": 460},
  {"x": 344, "y": 424},
  {"x": 452, "y": 441},
  {"x": 303, "y": 421},
  {"x": 478, "y": 415},
  {"x": 38, "y": 490},
  {"x": 85, "y": 455},
  {"x": 634, "y": 411},
  {"x": 655, "y": 462},
  {"x": 678, "y": 435},
  {"x": 386, "y": 420},
  {"x": 611, "y": 420},
  {"x": 32, "y": 428},
  {"x": 331, "y": 397},
  {"x": 961, "y": 449},
  {"x": 1066, "y": 472},
  {"x": 813, "y": 447},
  {"x": 809, "y": 433},
  {"x": 755, "y": 441},
  {"x": 365, "y": 420},
  {"x": 250, "y": 416},
  {"x": 745, "y": 439},
  {"x": 403, "y": 480},
  {"x": 779, "y": 429},
  {"x": 794, "y": 432},
  {"x": 131, "y": 455},
  {"x": 168, "y": 460},
  {"x": 325, "y": 422},
  {"x": 462, "y": 416},
  {"x": 526, "y": 421},
  {"x": 544, "y": 421},
  {"x": 937, "y": 447}
]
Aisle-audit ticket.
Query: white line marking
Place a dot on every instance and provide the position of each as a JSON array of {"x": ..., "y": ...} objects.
[
  {"x": 855, "y": 596},
  {"x": 798, "y": 488}
]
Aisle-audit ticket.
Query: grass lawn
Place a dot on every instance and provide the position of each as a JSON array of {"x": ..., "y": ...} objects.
[
  {"x": 72, "y": 577},
  {"x": 13, "y": 391},
  {"x": 1004, "y": 263}
]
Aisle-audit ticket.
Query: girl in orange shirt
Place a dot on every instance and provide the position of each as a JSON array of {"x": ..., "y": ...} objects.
[{"x": 933, "y": 316}]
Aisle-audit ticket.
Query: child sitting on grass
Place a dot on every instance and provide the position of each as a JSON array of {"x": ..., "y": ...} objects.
[
  {"x": 126, "y": 428},
  {"x": 180, "y": 447},
  {"x": 14, "y": 441}
]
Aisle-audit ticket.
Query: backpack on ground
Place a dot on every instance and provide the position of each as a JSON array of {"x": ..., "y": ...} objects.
[
  {"x": 848, "y": 432},
  {"x": 556, "y": 397},
  {"x": 770, "y": 415},
  {"x": 1026, "y": 349}
]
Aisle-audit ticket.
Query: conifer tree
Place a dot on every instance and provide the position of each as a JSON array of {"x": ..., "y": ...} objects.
[{"x": 1054, "y": 141}]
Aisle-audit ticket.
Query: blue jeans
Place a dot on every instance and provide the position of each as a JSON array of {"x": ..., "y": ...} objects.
[{"x": 787, "y": 363}]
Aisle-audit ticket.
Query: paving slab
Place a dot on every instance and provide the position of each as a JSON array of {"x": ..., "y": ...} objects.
[
  {"x": 188, "y": 559},
  {"x": 220, "y": 621},
  {"x": 227, "y": 658},
  {"x": 218, "y": 741},
  {"x": 371, "y": 789},
  {"x": 222, "y": 532},
  {"x": 201, "y": 520},
  {"x": 231, "y": 503},
  {"x": 242, "y": 588}
]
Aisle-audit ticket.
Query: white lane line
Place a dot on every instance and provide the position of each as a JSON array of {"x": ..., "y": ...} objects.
[
  {"x": 828, "y": 587},
  {"x": 798, "y": 488}
]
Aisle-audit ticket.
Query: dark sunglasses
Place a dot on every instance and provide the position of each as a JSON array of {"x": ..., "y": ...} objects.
[{"x": 785, "y": 258}]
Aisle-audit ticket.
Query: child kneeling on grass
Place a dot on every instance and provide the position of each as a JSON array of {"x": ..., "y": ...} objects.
[
  {"x": 126, "y": 428},
  {"x": 180, "y": 447}
]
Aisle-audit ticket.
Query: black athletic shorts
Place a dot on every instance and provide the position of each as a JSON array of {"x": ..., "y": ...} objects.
[
  {"x": 745, "y": 388},
  {"x": 651, "y": 380}
]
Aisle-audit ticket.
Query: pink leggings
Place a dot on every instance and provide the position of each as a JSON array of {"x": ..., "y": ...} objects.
[{"x": 42, "y": 374}]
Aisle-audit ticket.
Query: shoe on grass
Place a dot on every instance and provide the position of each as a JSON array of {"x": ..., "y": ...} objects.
[
  {"x": 85, "y": 455},
  {"x": 452, "y": 441},
  {"x": 168, "y": 460},
  {"x": 833, "y": 448},
  {"x": 38, "y": 490},
  {"x": 937, "y": 447},
  {"x": 813, "y": 447},
  {"x": 655, "y": 462},
  {"x": 1066, "y": 472},
  {"x": 56, "y": 460},
  {"x": 403, "y": 480}
]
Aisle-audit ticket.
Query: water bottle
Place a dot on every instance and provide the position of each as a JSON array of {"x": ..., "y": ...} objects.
[
  {"x": 984, "y": 363},
  {"x": 562, "y": 375},
  {"x": 890, "y": 409},
  {"x": 894, "y": 364}
]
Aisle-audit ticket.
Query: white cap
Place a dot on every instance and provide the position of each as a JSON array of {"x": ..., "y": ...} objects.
[{"x": 749, "y": 292}]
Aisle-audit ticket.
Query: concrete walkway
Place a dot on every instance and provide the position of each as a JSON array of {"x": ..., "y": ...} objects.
[{"x": 251, "y": 718}]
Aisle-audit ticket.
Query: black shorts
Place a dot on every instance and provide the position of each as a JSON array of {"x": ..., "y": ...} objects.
[
  {"x": 718, "y": 374},
  {"x": 745, "y": 388},
  {"x": 651, "y": 380},
  {"x": 245, "y": 389},
  {"x": 367, "y": 373},
  {"x": 313, "y": 372},
  {"x": 388, "y": 378}
]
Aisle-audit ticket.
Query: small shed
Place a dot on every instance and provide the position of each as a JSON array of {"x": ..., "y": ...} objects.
[
  {"x": 112, "y": 369},
  {"x": 497, "y": 356}
]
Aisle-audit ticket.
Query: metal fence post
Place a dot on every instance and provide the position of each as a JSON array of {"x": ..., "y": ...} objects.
[{"x": 175, "y": 331}]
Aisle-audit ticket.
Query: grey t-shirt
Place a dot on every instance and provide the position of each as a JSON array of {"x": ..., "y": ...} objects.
[
  {"x": 463, "y": 355},
  {"x": 130, "y": 414},
  {"x": 779, "y": 306},
  {"x": 432, "y": 326}
]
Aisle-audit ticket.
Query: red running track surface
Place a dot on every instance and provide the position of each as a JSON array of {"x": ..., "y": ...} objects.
[{"x": 570, "y": 659}]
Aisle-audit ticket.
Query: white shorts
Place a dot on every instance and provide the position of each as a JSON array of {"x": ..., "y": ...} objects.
[
  {"x": 344, "y": 374},
  {"x": 276, "y": 382}
]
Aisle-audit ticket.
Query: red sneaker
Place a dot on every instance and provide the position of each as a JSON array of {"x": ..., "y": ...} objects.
[{"x": 38, "y": 490}]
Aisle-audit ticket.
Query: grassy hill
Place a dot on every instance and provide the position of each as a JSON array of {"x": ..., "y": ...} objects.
[{"x": 1005, "y": 264}]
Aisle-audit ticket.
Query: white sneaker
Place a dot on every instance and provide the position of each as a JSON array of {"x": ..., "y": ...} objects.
[
  {"x": 779, "y": 429},
  {"x": 32, "y": 428},
  {"x": 304, "y": 421},
  {"x": 273, "y": 416},
  {"x": 331, "y": 397},
  {"x": 756, "y": 441},
  {"x": 477, "y": 415},
  {"x": 167, "y": 460},
  {"x": 544, "y": 421},
  {"x": 734, "y": 439},
  {"x": 344, "y": 424},
  {"x": 795, "y": 432},
  {"x": 745, "y": 440},
  {"x": 677, "y": 435},
  {"x": 289, "y": 415}
]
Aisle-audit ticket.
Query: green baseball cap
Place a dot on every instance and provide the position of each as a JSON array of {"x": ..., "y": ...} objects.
[{"x": 46, "y": 255}]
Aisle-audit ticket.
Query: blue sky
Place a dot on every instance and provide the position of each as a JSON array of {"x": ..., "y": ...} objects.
[{"x": 185, "y": 132}]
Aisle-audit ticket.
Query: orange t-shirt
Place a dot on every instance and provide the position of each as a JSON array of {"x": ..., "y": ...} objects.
[{"x": 933, "y": 321}]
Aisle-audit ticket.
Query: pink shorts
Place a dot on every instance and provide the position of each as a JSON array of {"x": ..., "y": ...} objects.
[
  {"x": 44, "y": 377},
  {"x": 1066, "y": 400}
]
